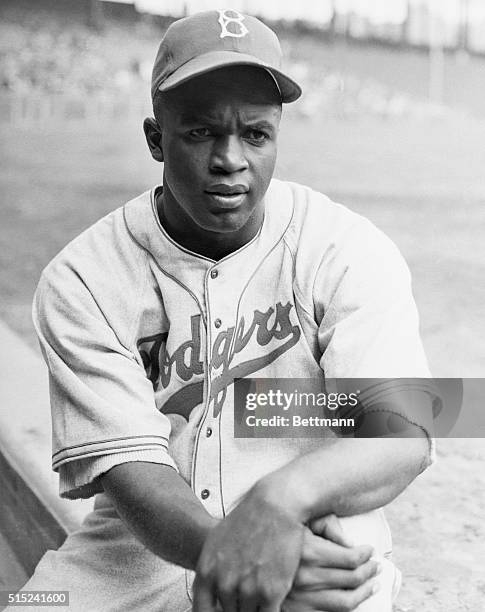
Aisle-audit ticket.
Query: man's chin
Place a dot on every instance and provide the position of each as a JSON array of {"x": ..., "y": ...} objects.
[{"x": 226, "y": 222}]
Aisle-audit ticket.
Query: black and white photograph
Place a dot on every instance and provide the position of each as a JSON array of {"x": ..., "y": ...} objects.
[{"x": 242, "y": 297}]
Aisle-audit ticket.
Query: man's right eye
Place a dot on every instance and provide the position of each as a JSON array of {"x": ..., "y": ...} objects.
[{"x": 200, "y": 133}]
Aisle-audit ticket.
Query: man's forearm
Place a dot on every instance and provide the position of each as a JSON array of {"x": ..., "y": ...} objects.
[
  {"x": 348, "y": 476},
  {"x": 161, "y": 509}
]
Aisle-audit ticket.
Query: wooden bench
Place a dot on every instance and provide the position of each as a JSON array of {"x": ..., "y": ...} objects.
[{"x": 33, "y": 518}]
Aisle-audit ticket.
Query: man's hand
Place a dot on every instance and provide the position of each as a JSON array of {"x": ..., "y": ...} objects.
[
  {"x": 333, "y": 575},
  {"x": 249, "y": 560}
]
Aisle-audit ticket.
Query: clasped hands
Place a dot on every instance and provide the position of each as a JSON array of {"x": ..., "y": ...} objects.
[{"x": 265, "y": 558}]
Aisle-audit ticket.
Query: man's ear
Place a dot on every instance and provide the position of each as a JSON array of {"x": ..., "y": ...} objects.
[{"x": 153, "y": 134}]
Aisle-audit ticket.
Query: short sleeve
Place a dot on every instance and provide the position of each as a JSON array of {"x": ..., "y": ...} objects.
[
  {"x": 103, "y": 405},
  {"x": 369, "y": 327}
]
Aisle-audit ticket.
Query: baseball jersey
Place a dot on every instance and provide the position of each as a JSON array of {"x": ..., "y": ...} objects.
[{"x": 144, "y": 339}]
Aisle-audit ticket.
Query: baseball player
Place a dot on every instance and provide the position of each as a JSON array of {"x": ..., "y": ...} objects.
[{"x": 148, "y": 317}]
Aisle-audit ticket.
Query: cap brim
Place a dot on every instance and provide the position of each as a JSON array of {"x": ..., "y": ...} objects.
[{"x": 290, "y": 90}]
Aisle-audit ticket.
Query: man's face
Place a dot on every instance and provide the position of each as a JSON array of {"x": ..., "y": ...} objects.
[{"x": 218, "y": 137}]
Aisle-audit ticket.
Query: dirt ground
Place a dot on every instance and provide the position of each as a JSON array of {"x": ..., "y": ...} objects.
[
  {"x": 438, "y": 527},
  {"x": 422, "y": 182}
]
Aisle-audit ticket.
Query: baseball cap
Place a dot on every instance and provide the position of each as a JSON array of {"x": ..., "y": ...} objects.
[{"x": 209, "y": 40}]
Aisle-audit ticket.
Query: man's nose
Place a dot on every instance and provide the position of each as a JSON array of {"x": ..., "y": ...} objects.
[{"x": 228, "y": 155}]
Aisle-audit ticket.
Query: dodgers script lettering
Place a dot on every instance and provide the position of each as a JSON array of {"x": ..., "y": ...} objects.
[{"x": 187, "y": 359}]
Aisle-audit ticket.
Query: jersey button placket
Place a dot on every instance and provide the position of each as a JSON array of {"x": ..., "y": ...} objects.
[{"x": 207, "y": 477}]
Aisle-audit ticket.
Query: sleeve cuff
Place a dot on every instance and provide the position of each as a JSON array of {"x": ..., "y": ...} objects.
[
  {"x": 432, "y": 451},
  {"x": 426, "y": 431},
  {"x": 80, "y": 479},
  {"x": 414, "y": 400}
]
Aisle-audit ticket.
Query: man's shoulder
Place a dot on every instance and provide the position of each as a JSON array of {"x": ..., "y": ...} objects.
[
  {"x": 325, "y": 233},
  {"x": 318, "y": 218},
  {"x": 105, "y": 244},
  {"x": 101, "y": 273},
  {"x": 97, "y": 263}
]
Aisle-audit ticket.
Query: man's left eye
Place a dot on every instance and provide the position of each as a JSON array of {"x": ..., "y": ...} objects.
[
  {"x": 200, "y": 133},
  {"x": 256, "y": 135}
]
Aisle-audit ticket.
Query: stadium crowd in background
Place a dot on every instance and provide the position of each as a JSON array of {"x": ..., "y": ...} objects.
[
  {"x": 54, "y": 59},
  {"x": 53, "y": 68}
]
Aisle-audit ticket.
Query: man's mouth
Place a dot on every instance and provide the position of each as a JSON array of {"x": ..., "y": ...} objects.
[{"x": 227, "y": 196}]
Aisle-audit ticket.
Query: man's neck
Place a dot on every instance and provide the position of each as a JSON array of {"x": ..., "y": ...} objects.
[{"x": 214, "y": 245}]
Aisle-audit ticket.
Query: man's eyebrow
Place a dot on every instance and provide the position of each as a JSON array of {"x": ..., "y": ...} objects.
[
  {"x": 194, "y": 117},
  {"x": 259, "y": 124}
]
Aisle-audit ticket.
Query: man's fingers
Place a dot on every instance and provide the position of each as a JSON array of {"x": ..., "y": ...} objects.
[
  {"x": 329, "y": 527},
  {"x": 228, "y": 601},
  {"x": 349, "y": 600},
  {"x": 336, "y": 600},
  {"x": 209, "y": 598},
  {"x": 318, "y": 551},
  {"x": 270, "y": 601},
  {"x": 248, "y": 599},
  {"x": 204, "y": 597},
  {"x": 317, "y": 578},
  {"x": 270, "y": 608}
]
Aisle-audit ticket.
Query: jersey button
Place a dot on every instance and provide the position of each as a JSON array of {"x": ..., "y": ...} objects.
[
  {"x": 217, "y": 323},
  {"x": 214, "y": 273},
  {"x": 208, "y": 432},
  {"x": 205, "y": 493}
]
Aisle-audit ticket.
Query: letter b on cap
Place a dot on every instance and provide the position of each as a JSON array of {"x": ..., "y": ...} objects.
[{"x": 236, "y": 25}]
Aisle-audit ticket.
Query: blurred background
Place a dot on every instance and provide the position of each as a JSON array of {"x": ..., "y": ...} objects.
[{"x": 391, "y": 123}]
